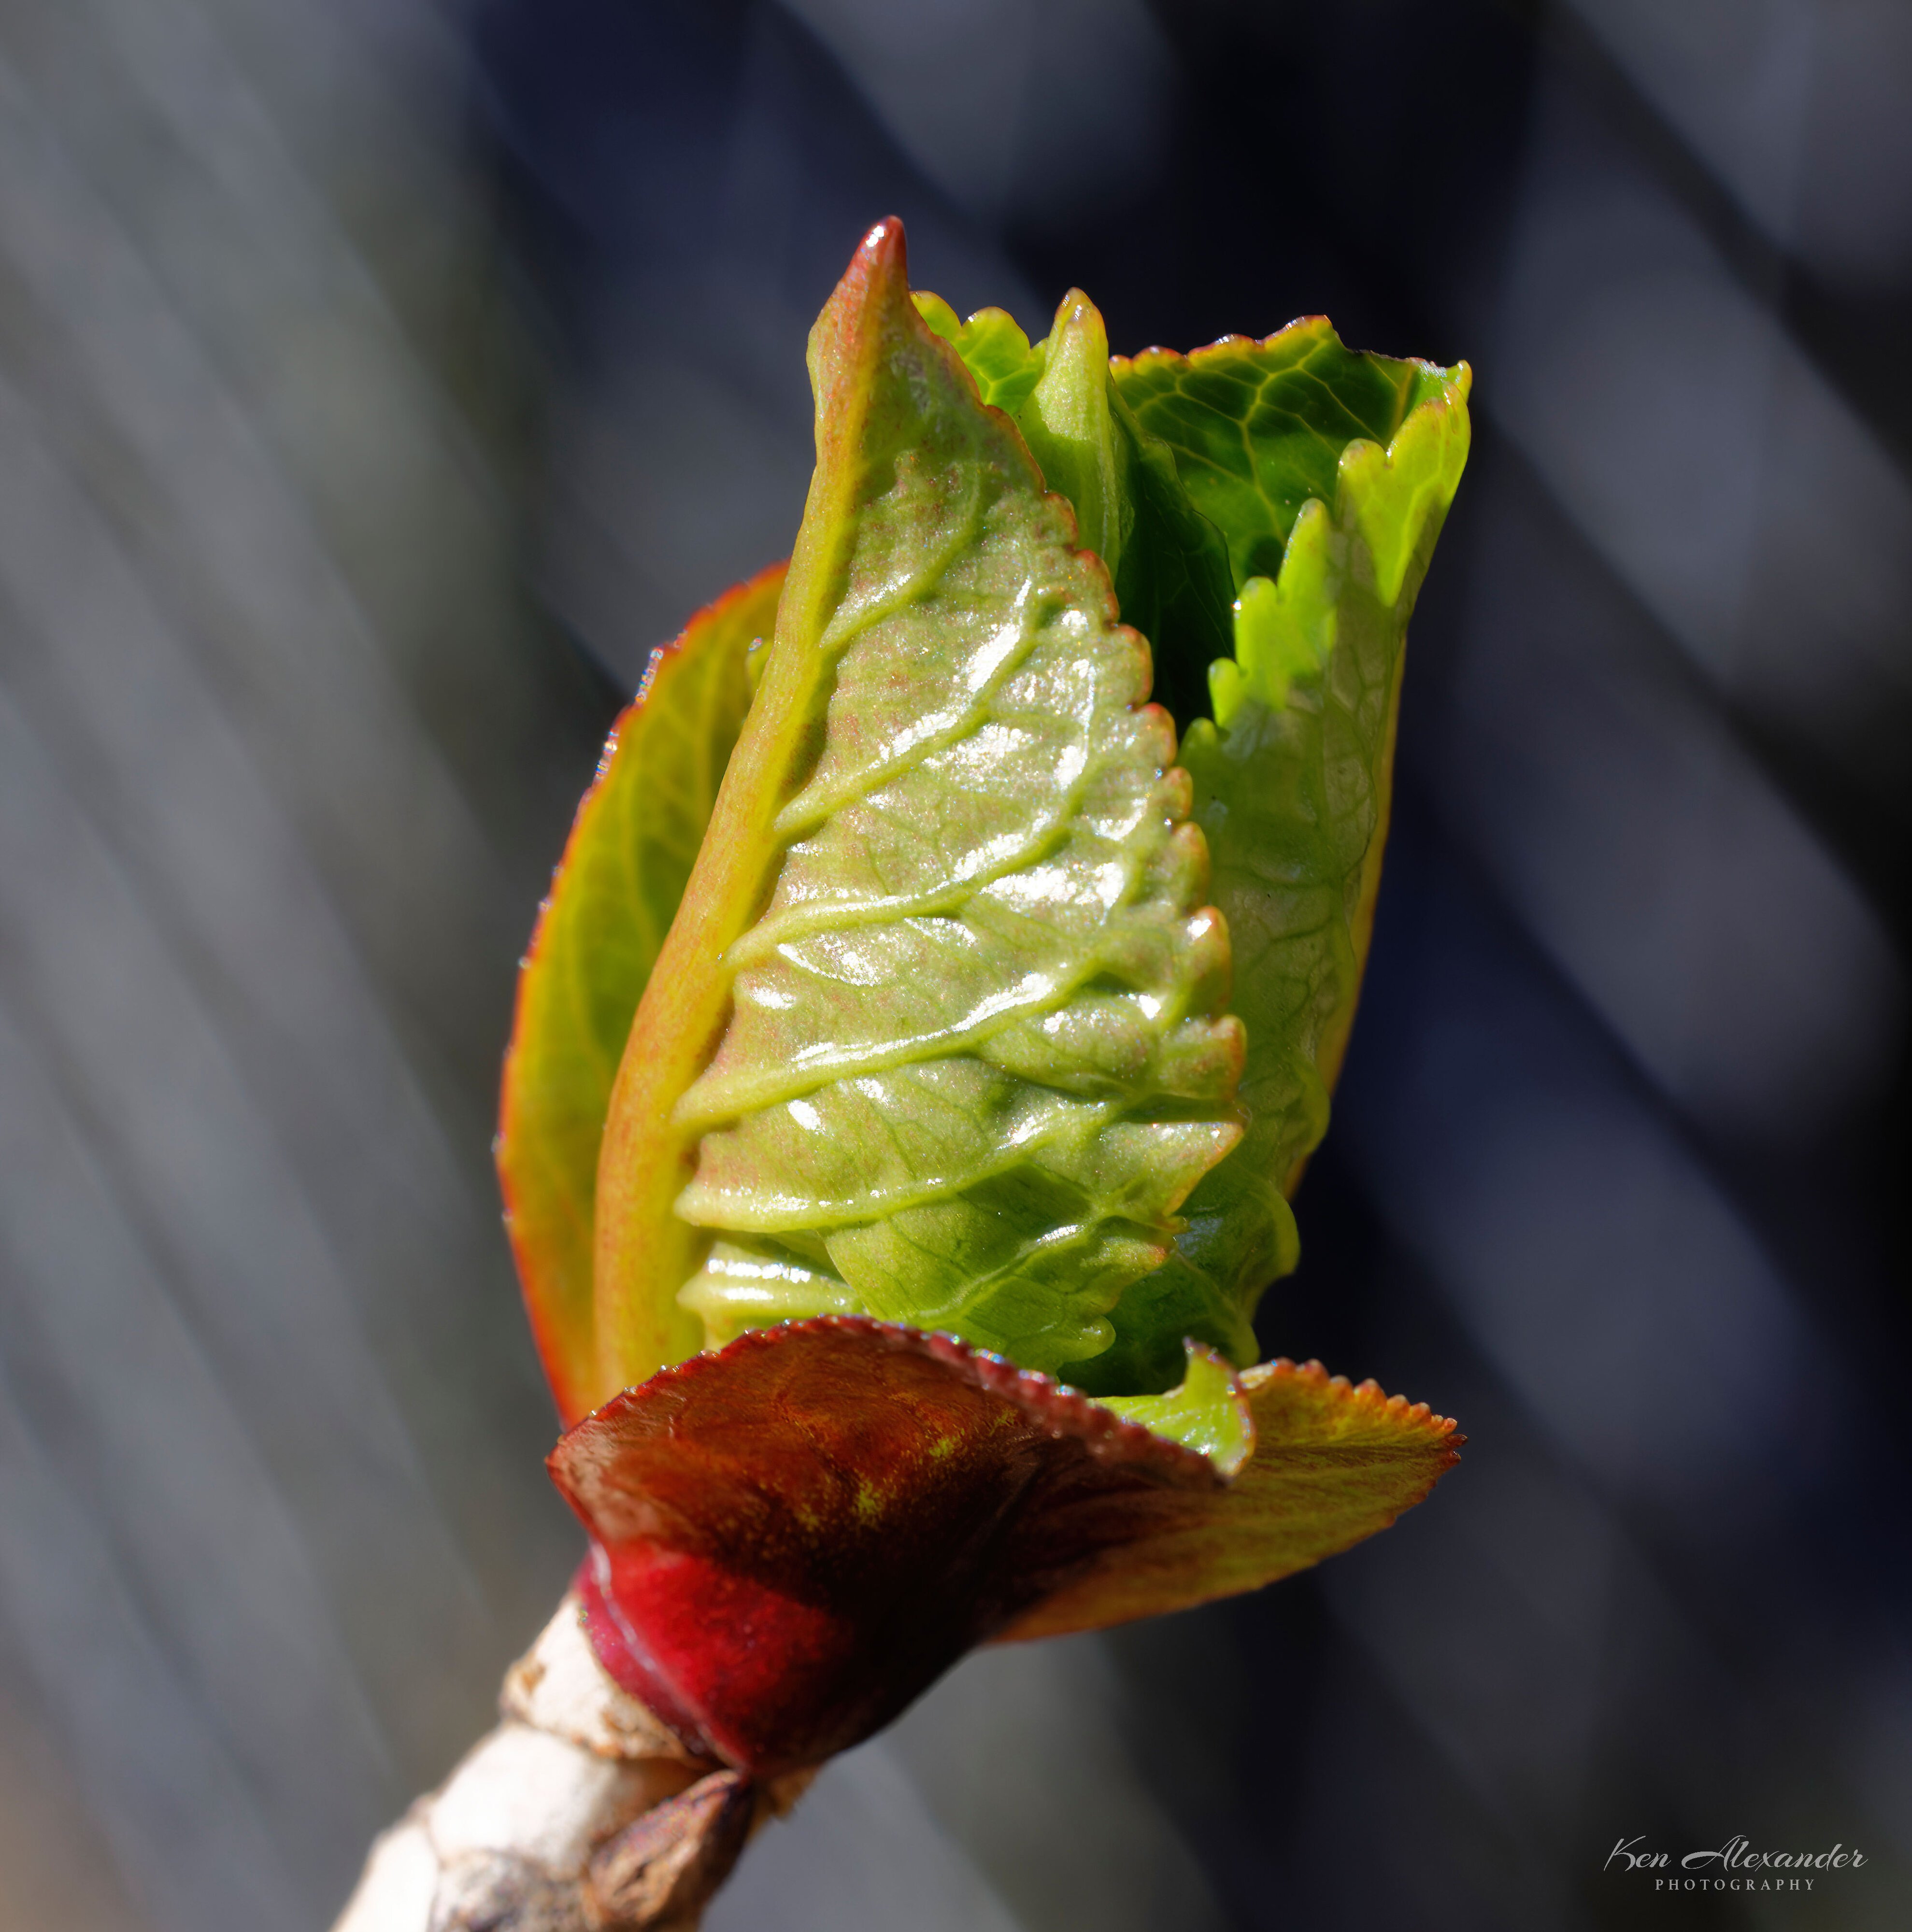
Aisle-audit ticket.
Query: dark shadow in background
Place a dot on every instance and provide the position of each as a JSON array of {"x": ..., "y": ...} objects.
[
  {"x": 1614, "y": 1175},
  {"x": 381, "y": 382}
]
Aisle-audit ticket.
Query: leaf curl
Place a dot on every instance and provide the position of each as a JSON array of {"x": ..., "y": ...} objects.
[
  {"x": 612, "y": 897},
  {"x": 939, "y": 1032},
  {"x": 1293, "y": 775},
  {"x": 1307, "y": 482}
]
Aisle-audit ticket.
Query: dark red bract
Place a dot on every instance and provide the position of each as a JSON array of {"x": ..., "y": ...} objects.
[{"x": 793, "y": 1537}]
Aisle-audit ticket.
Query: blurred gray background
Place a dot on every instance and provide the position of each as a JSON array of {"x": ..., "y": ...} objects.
[{"x": 380, "y": 380}]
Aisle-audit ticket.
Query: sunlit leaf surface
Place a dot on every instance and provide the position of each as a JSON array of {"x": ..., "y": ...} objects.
[
  {"x": 612, "y": 901},
  {"x": 1258, "y": 428},
  {"x": 938, "y": 1035},
  {"x": 1305, "y": 484},
  {"x": 1336, "y": 469},
  {"x": 993, "y": 348},
  {"x": 1207, "y": 1410}
]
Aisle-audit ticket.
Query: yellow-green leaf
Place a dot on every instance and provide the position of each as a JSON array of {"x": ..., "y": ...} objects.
[
  {"x": 612, "y": 900},
  {"x": 937, "y": 1035},
  {"x": 1332, "y": 1464}
]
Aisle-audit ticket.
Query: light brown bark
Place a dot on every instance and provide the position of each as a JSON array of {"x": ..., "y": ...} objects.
[{"x": 580, "y": 1812}]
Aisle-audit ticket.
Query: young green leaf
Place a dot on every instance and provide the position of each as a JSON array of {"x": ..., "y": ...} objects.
[
  {"x": 993, "y": 349},
  {"x": 1259, "y": 428},
  {"x": 1328, "y": 474},
  {"x": 1308, "y": 483},
  {"x": 612, "y": 900},
  {"x": 1208, "y": 1411},
  {"x": 1071, "y": 430},
  {"x": 1169, "y": 562},
  {"x": 938, "y": 1031}
]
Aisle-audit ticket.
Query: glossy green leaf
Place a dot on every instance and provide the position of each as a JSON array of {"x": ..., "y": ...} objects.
[
  {"x": 1293, "y": 778},
  {"x": 993, "y": 349},
  {"x": 1293, "y": 775},
  {"x": 1305, "y": 483},
  {"x": 1206, "y": 1411},
  {"x": 1175, "y": 585},
  {"x": 1327, "y": 472},
  {"x": 612, "y": 900},
  {"x": 1069, "y": 423},
  {"x": 1258, "y": 428},
  {"x": 1170, "y": 563},
  {"x": 938, "y": 1031}
]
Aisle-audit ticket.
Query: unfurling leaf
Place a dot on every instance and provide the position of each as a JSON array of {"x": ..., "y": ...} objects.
[
  {"x": 1329, "y": 473},
  {"x": 1208, "y": 1411},
  {"x": 612, "y": 900},
  {"x": 938, "y": 1034},
  {"x": 946, "y": 1032},
  {"x": 1308, "y": 482},
  {"x": 892, "y": 1088}
]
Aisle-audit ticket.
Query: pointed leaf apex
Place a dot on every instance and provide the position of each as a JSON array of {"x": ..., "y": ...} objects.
[
  {"x": 846, "y": 334},
  {"x": 886, "y": 240}
]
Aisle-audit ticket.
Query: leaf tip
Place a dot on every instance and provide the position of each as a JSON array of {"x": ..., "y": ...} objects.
[
  {"x": 882, "y": 253},
  {"x": 841, "y": 339}
]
